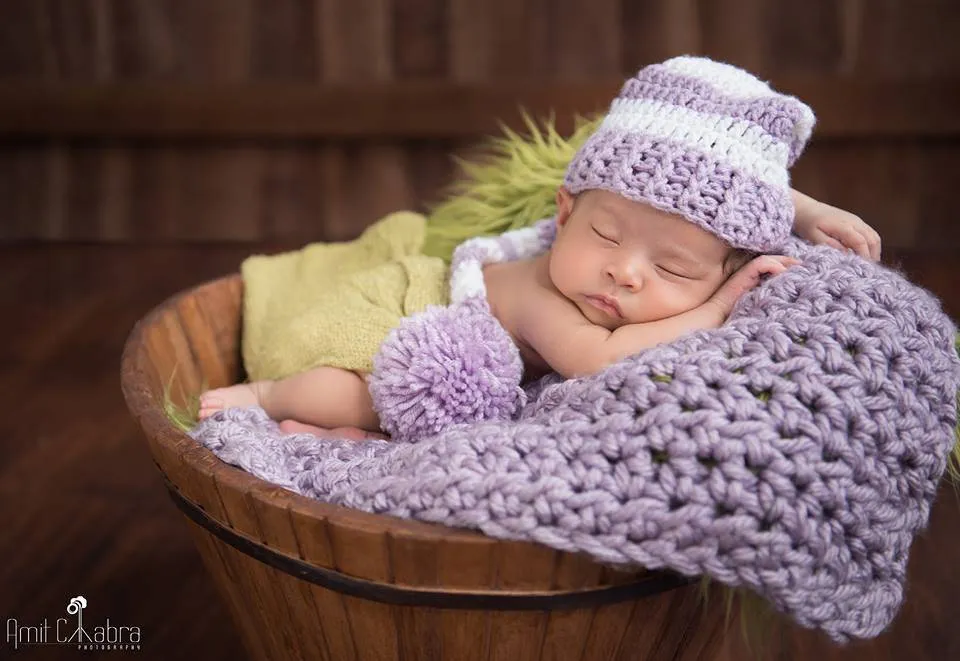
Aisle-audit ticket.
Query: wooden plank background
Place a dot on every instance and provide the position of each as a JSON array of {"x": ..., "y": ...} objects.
[{"x": 311, "y": 125}]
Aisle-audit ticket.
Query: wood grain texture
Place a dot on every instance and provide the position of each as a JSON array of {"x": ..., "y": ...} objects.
[
  {"x": 192, "y": 340},
  {"x": 847, "y": 108},
  {"x": 20, "y": 39},
  {"x": 733, "y": 31},
  {"x": 909, "y": 40},
  {"x": 656, "y": 30},
  {"x": 585, "y": 39},
  {"x": 420, "y": 39},
  {"x": 283, "y": 40},
  {"x": 298, "y": 120},
  {"x": 356, "y": 46},
  {"x": 84, "y": 508},
  {"x": 298, "y": 194},
  {"x": 804, "y": 38}
]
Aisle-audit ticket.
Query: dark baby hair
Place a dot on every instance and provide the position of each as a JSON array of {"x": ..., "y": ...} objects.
[{"x": 736, "y": 258}]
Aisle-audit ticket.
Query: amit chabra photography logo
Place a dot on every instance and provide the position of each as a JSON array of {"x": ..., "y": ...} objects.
[{"x": 64, "y": 631}]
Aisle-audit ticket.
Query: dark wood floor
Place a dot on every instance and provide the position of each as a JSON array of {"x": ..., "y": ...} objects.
[{"x": 84, "y": 512}]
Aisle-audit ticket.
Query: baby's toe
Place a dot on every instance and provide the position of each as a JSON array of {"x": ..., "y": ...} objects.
[{"x": 209, "y": 406}]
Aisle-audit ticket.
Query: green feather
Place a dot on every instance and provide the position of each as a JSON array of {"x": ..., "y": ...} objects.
[{"x": 513, "y": 185}]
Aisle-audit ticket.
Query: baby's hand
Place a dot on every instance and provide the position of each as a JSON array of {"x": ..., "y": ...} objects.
[
  {"x": 819, "y": 222},
  {"x": 746, "y": 279}
]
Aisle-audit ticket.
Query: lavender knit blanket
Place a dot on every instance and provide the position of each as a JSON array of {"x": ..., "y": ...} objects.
[{"x": 795, "y": 451}]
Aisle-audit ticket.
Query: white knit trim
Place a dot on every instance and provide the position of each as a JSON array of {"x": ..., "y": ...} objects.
[
  {"x": 733, "y": 81},
  {"x": 466, "y": 280},
  {"x": 755, "y": 154},
  {"x": 466, "y": 276}
]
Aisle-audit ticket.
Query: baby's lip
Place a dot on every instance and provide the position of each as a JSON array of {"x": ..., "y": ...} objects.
[{"x": 606, "y": 302}]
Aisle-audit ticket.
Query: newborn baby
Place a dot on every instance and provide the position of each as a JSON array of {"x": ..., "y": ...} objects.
[
  {"x": 621, "y": 276},
  {"x": 672, "y": 210}
]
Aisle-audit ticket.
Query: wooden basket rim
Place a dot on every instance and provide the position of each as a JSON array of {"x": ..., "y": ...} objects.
[{"x": 145, "y": 408}]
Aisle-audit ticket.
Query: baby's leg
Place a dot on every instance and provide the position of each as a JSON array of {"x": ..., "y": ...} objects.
[
  {"x": 240, "y": 396},
  {"x": 324, "y": 396},
  {"x": 353, "y": 433}
]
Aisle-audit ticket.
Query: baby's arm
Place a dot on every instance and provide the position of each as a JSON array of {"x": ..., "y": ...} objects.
[
  {"x": 575, "y": 347},
  {"x": 820, "y": 223}
]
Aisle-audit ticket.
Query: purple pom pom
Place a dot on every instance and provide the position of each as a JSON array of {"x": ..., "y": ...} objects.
[{"x": 445, "y": 366}]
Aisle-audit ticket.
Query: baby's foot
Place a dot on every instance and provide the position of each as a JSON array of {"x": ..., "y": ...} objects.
[{"x": 243, "y": 395}]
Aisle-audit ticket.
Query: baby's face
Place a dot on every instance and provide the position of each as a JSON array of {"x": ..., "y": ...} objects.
[{"x": 623, "y": 262}]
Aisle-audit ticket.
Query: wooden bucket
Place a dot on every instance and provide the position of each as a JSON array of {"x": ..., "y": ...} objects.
[{"x": 308, "y": 580}]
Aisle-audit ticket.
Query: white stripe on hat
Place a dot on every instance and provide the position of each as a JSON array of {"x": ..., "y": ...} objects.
[
  {"x": 732, "y": 81},
  {"x": 738, "y": 143}
]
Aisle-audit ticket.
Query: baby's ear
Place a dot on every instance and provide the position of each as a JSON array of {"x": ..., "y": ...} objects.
[{"x": 565, "y": 201}]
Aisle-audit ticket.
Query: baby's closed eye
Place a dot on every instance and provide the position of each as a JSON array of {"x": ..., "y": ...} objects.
[
  {"x": 676, "y": 272},
  {"x": 603, "y": 235}
]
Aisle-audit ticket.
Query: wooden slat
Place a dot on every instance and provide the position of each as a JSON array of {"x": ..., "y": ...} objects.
[
  {"x": 882, "y": 183},
  {"x": 497, "y": 40},
  {"x": 221, "y": 561},
  {"x": 271, "y": 505},
  {"x": 267, "y": 586},
  {"x": 567, "y": 630},
  {"x": 789, "y": 27},
  {"x": 606, "y": 631},
  {"x": 22, "y": 173},
  {"x": 211, "y": 41},
  {"x": 937, "y": 198},
  {"x": 586, "y": 38},
  {"x": 734, "y": 31},
  {"x": 150, "y": 48},
  {"x": 20, "y": 33},
  {"x": 656, "y": 29},
  {"x": 419, "y": 40},
  {"x": 56, "y": 178},
  {"x": 283, "y": 40},
  {"x": 466, "y": 565},
  {"x": 414, "y": 559},
  {"x": 519, "y": 635},
  {"x": 113, "y": 193},
  {"x": 363, "y": 552},
  {"x": 850, "y": 16},
  {"x": 220, "y": 187},
  {"x": 355, "y": 48},
  {"x": 659, "y": 626},
  {"x": 846, "y": 108},
  {"x": 909, "y": 40},
  {"x": 353, "y": 39},
  {"x": 156, "y": 195},
  {"x": 313, "y": 536}
]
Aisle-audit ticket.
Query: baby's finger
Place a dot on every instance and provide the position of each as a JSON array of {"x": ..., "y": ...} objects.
[
  {"x": 873, "y": 239},
  {"x": 822, "y": 238},
  {"x": 786, "y": 260},
  {"x": 852, "y": 238},
  {"x": 771, "y": 264}
]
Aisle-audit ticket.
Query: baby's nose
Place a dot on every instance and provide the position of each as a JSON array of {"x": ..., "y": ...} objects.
[{"x": 626, "y": 276}]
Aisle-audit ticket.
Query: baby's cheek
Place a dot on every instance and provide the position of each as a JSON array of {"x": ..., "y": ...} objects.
[{"x": 691, "y": 297}]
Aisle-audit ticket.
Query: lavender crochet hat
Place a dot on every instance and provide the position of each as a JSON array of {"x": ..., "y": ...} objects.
[{"x": 703, "y": 139}]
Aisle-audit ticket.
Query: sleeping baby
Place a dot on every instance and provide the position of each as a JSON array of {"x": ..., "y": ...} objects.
[{"x": 674, "y": 208}]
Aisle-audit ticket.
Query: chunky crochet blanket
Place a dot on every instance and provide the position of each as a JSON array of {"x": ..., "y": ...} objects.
[{"x": 795, "y": 451}]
